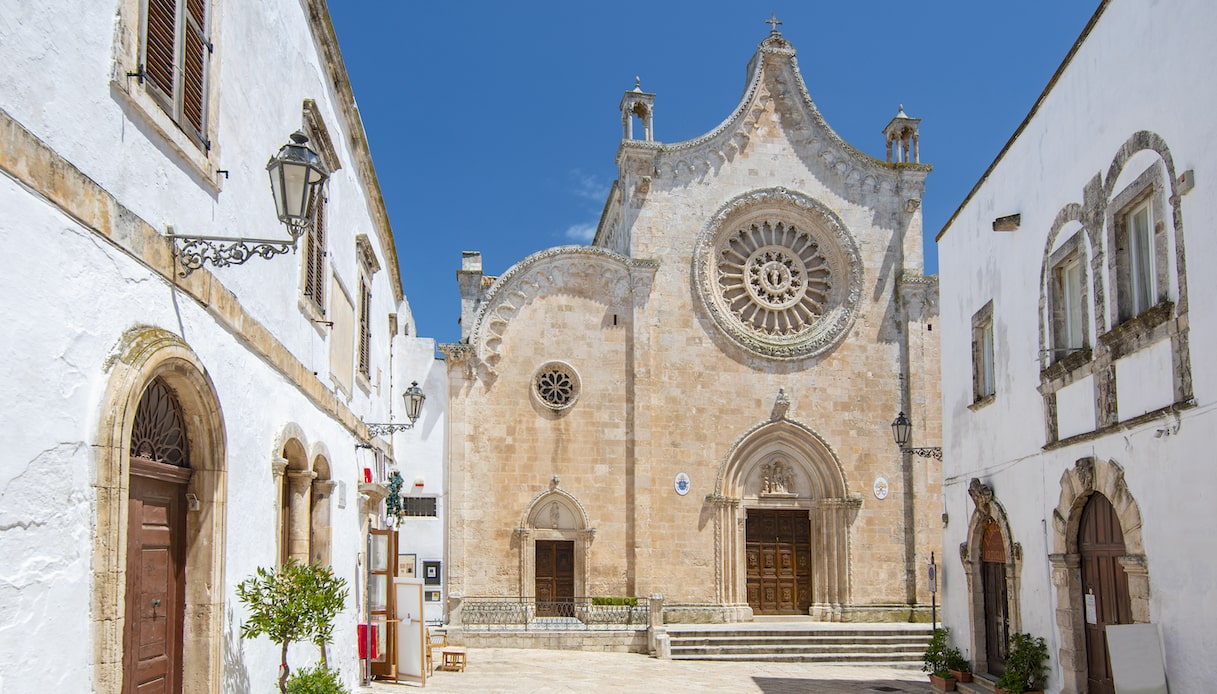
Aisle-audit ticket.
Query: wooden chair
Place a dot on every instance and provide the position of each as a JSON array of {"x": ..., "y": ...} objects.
[{"x": 435, "y": 639}]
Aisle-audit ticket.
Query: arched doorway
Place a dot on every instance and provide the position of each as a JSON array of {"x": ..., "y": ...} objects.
[
  {"x": 782, "y": 513},
  {"x": 555, "y": 541},
  {"x": 993, "y": 582},
  {"x": 1104, "y": 586},
  {"x": 159, "y": 546},
  {"x": 156, "y": 544}
]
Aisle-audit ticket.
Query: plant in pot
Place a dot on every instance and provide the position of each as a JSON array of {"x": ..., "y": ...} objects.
[
  {"x": 1026, "y": 669},
  {"x": 960, "y": 669},
  {"x": 935, "y": 661}
]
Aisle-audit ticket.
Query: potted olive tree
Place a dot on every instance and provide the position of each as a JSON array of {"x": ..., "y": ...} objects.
[
  {"x": 295, "y": 602},
  {"x": 935, "y": 661},
  {"x": 1026, "y": 671}
]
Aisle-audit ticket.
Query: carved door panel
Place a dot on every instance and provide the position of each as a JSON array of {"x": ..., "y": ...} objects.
[
  {"x": 1104, "y": 587},
  {"x": 152, "y": 640},
  {"x": 555, "y": 577},
  {"x": 778, "y": 556}
]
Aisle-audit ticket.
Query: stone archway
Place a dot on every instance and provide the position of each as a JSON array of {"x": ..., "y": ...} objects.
[
  {"x": 781, "y": 465},
  {"x": 554, "y": 516},
  {"x": 143, "y": 355},
  {"x": 1078, "y": 484},
  {"x": 989, "y": 537}
]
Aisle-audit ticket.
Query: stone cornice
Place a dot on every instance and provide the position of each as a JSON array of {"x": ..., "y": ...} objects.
[{"x": 327, "y": 43}]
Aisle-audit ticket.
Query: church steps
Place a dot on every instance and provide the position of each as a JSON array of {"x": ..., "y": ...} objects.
[{"x": 896, "y": 647}]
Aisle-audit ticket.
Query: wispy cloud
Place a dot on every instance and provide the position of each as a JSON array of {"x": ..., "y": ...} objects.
[
  {"x": 588, "y": 186},
  {"x": 582, "y": 233}
]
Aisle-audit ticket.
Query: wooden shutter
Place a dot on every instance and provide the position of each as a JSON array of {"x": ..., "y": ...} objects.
[
  {"x": 365, "y": 338},
  {"x": 314, "y": 261},
  {"x": 194, "y": 68},
  {"x": 160, "y": 46}
]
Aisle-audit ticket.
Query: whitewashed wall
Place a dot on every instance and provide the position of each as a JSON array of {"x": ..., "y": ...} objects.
[
  {"x": 1143, "y": 67},
  {"x": 67, "y": 296}
]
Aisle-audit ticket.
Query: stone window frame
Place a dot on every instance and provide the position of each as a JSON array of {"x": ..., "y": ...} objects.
[
  {"x": 1145, "y": 192},
  {"x": 313, "y": 270},
  {"x": 201, "y": 154},
  {"x": 984, "y": 357},
  {"x": 1071, "y": 253}
]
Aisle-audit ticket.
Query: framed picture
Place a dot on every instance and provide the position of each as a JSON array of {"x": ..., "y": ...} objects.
[
  {"x": 432, "y": 596},
  {"x": 406, "y": 564},
  {"x": 431, "y": 573}
]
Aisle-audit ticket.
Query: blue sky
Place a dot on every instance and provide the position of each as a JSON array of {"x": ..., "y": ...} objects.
[{"x": 493, "y": 125}]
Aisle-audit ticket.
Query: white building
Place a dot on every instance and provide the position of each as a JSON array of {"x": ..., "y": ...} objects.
[
  {"x": 1078, "y": 449},
  {"x": 222, "y": 407}
]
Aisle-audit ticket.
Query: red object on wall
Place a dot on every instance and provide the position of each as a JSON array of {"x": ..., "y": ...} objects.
[
  {"x": 363, "y": 643},
  {"x": 367, "y": 475}
]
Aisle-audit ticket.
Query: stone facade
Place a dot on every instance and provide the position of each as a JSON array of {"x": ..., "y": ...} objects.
[
  {"x": 1079, "y": 238},
  {"x": 752, "y": 313}
]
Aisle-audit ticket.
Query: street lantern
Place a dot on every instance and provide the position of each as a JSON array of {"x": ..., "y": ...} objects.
[
  {"x": 414, "y": 398},
  {"x": 902, "y": 428},
  {"x": 296, "y": 176}
]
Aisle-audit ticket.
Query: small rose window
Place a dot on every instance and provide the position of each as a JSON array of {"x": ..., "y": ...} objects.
[{"x": 556, "y": 385}]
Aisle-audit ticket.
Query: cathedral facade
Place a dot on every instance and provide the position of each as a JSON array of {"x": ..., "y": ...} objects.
[{"x": 698, "y": 404}]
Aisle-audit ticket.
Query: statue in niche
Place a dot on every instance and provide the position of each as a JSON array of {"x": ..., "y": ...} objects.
[{"x": 777, "y": 478}]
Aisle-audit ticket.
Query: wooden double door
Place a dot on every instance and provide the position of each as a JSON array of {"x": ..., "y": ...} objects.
[
  {"x": 778, "y": 554},
  {"x": 555, "y": 576},
  {"x": 993, "y": 582},
  {"x": 1104, "y": 587}
]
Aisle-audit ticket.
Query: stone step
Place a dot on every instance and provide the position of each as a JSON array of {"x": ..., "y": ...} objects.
[
  {"x": 823, "y": 658},
  {"x": 786, "y": 637},
  {"x": 820, "y": 643}
]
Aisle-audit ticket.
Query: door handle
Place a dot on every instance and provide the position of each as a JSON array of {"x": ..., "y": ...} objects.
[{"x": 156, "y": 602}]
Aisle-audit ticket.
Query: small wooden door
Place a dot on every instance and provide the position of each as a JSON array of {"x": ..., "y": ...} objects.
[
  {"x": 555, "y": 577},
  {"x": 156, "y": 581},
  {"x": 1104, "y": 587},
  {"x": 779, "y": 562},
  {"x": 381, "y": 603},
  {"x": 993, "y": 582}
]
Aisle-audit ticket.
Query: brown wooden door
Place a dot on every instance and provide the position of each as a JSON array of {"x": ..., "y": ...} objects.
[
  {"x": 555, "y": 577},
  {"x": 778, "y": 555},
  {"x": 156, "y": 585},
  {"x": 1104, "y": 583},
  {"x": 382, "y": 569},
  {"x": 993, "y": 583}
]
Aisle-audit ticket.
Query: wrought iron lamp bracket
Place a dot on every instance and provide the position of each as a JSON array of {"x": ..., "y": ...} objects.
[
  {"x": 195, "y": 251},
  {"x": 934, "y": 452},
  {"x": 386, "y": 429}
]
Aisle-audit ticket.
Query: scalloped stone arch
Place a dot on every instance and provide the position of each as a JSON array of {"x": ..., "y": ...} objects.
[
  {"x": 1089, "y": 476},
  {"x": 985, "y": 506},
  {"x": 142, "y": 354},
  {"x": 824, "y": 496},
  {"x": 804, "y": 216},
  {"x": 554, "y": 514},
  {"x": 591, "y": 272}
]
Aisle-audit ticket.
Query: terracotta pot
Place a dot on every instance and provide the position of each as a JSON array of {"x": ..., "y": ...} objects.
[
  {"x": 959, "y": 676},
  {"x": 942, "y": 684}
]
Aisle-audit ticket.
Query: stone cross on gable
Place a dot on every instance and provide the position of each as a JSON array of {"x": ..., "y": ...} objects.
[{"x": 773, "y": 22}]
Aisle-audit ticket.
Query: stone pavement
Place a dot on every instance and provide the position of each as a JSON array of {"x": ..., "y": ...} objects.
[{"x": 509, "y": 670}]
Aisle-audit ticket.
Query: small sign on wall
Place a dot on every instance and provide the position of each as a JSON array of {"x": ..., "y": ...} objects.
[
  {"x": 406, "y": 564},
  {"x": 432, "y": 596},
  {"x": 682, "y": 483},
  {"x": 431, "y": 573}
]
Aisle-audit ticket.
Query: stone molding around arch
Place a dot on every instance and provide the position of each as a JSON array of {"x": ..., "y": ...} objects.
[
  {"x": 819, "y": 487},
  {"x": 554, "y": 514},
  {"x": 141, "y": 355},
  {"x": 1089, "y": 476},
  {"x": 986, "y": 507}
]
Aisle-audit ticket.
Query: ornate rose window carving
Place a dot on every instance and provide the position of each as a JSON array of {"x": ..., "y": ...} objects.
[
  {"x": 779, "y": 274},
  {"x": 556, "y": 385}
]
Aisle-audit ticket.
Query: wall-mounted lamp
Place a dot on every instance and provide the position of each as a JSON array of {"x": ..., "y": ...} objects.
[
  {"x": 414, "y": 398},
  {"x": 296, "y": 176},
  {"x": 902, "y": 429}
]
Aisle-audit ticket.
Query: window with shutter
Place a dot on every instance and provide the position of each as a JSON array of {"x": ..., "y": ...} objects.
[
  {"x": 314, "y": 258},
  {"x": 365, "y": 336},
  {"x": 176, "y": 52}
]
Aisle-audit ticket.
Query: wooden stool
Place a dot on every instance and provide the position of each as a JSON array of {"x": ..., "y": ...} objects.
[{"x": 454, "y": 659}]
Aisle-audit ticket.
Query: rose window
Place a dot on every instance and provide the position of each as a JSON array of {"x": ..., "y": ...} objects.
[
  {"x": 556, "y": 385},
  {"x": 779, "y": 274}
]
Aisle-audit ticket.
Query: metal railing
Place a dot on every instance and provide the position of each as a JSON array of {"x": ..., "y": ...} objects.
[{"x": 570, "y": 614}]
